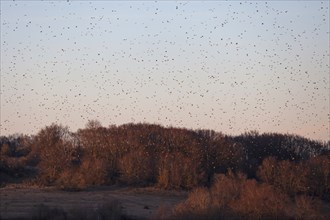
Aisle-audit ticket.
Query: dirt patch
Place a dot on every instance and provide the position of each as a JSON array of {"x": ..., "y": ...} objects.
[{"x": 139, "y": 203}]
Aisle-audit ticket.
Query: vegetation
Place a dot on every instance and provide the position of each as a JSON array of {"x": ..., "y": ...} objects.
[
  {"x": 267, "y": 172},
  {"x": 236, "y": 197}
]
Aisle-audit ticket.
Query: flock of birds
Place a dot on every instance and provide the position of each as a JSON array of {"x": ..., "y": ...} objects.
[{"x": 228, "y": 66}]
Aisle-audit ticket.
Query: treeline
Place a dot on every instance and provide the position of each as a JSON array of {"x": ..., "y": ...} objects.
[{"x": 170, "y": 158}]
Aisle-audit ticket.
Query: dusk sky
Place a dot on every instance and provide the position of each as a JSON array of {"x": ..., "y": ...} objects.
[{"x": 229, "y": 66}]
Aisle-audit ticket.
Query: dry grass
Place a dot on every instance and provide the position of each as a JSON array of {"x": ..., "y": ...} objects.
[{"x": 107, "y": 211}]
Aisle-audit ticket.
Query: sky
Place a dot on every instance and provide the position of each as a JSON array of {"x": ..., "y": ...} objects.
[{"x": 230, "y": 66}]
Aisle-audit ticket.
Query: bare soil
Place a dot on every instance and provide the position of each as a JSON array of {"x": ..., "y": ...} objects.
[{"x": 140, "y": 203}]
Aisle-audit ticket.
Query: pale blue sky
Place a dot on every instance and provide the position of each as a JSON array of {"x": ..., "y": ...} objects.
[{"x": 228, "y": 66}]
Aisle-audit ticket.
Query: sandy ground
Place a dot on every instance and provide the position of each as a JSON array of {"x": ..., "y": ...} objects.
[{"x": 142, "y": 203}]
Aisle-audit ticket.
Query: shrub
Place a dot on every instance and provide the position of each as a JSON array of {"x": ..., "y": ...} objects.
[
  {"x": 211, "y": 203},
  {"x": 308, "y": 208},
  {"x": 71, "y": 180},
  {"x": 235, "y": 197},
  {"x": 260, "y": 201},
  {"x": 226, "y": 188}
]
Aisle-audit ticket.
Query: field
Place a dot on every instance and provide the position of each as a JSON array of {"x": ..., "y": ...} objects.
[{"x": 17, "y": 203}]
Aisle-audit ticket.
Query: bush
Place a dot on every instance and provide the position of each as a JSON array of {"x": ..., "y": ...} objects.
[
  {"x": 308, "y": 208},
  {"x": 211, "y": 203},
  {"x": 71, "y": 180},
  {"x": 235, "y": 197},
  {"x": 260, "y": 201}
]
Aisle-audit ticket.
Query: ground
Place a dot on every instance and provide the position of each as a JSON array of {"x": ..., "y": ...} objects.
[{"x": 142, "y": 203}]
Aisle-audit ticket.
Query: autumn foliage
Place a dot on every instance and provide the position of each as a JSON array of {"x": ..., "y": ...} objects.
[
  {"x": 309, "y": 177},
  {"x": 233, "y": 196},
  {"x": 251, "y": 176}
]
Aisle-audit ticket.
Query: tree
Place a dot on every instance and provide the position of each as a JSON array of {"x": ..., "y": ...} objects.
[
  {"x": 319, "y": 176},
  {"x": 54, "y": 144},
  {"x": 268, "y": 170}
]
